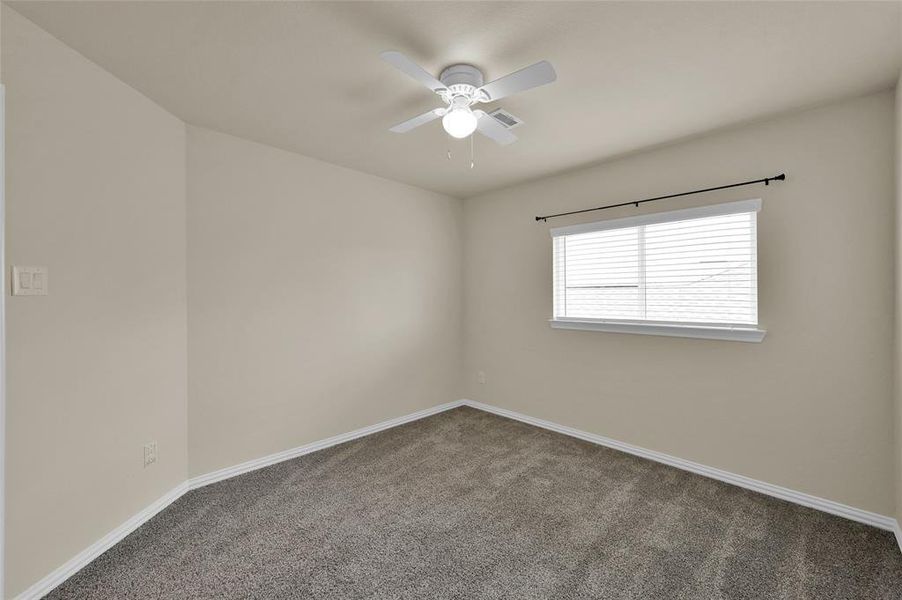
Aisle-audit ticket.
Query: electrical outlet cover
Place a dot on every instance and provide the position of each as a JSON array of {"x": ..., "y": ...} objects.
[{"x": 150, "y": 453}]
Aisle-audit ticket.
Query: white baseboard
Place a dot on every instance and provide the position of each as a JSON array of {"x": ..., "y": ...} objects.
[
  {"x": 259, "y": 463},
  {"x": 822, "y": 504},
  {"x": 75, "y": 564}
]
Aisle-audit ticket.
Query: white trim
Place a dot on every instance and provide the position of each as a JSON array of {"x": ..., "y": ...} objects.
[
  {"x": 76, "y": 563},
  {"x": 2, "y": 338},
  {"x": 259, "y": 463},
  {"x": 731, "y": 332},
  {"x": 699, "y": 212},
  {"x": 80, "y": 560},
  {"x": 776, "y": 491}
]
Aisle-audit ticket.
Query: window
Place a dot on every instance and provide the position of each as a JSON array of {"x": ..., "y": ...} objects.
[{"x": 690, "y": 273}]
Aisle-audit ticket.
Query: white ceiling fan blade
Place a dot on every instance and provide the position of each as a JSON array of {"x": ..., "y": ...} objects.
[
  {"x": 422, "y": 119},
  {"x": 492, "y": 129},
  {"x": 524, "y": 79},
  {"x": 407, "y": 66}
]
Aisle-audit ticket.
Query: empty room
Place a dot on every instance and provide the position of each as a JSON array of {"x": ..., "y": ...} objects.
[{"x": 451, "y": 300}]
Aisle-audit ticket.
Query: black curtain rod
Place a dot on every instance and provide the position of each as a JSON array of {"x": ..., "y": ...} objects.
[{"x": 765, "y": 181}]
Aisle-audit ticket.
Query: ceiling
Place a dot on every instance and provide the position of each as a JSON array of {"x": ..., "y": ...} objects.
[{"x": 307, "y": 76}]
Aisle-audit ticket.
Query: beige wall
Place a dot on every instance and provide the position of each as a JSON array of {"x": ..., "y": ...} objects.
[
  {"x": 810, "y": 407},
  {"x": 320, "y": 299},
  {"x": 96, "y": 192}
]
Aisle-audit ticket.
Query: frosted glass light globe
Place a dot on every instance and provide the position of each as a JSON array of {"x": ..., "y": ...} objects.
[{"x": 459, "y": 122}]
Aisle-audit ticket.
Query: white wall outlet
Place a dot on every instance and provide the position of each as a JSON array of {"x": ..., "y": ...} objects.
[
  {"x": 150, "y": 453},
  {"x": 480, "y": 376},
  {"x": 29, "y": 281}
]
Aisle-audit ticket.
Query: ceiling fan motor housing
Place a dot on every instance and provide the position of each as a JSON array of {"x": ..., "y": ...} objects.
[
  {"x": 462, "y": 74},
  {"x": 462, "y": 82}
]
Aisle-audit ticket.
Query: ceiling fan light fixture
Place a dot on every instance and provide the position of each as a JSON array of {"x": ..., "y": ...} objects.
[{"x": 459, "y": 122}]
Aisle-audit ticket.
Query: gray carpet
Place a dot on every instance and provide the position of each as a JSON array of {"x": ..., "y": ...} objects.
[{"x": 465, "y": 504}]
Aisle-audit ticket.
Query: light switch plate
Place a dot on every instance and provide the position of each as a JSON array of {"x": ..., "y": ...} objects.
[{"x": 29, "y": 281}]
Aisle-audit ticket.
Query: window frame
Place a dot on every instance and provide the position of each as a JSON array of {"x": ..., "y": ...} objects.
[{"x": 741, "y": 332}]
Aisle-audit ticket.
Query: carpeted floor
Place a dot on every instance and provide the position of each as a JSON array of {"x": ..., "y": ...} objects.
[{"x": 466, "y": 504}]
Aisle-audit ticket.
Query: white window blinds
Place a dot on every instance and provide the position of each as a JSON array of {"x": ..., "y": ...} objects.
[{"x": 688, "y": 267}]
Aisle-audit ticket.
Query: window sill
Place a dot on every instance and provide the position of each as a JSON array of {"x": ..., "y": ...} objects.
[{"x": 734, "y": 334}]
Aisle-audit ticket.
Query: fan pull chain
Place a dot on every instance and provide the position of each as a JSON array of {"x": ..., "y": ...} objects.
[
  {"x": 449, "y": 153},
  {"x": 472, "y": 152}
]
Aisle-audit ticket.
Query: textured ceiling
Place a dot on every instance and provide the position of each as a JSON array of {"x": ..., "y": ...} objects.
[{"x": 307, "y": 76}]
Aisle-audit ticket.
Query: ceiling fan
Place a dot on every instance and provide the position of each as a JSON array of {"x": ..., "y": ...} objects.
[{"x": 460, "y": 88}]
